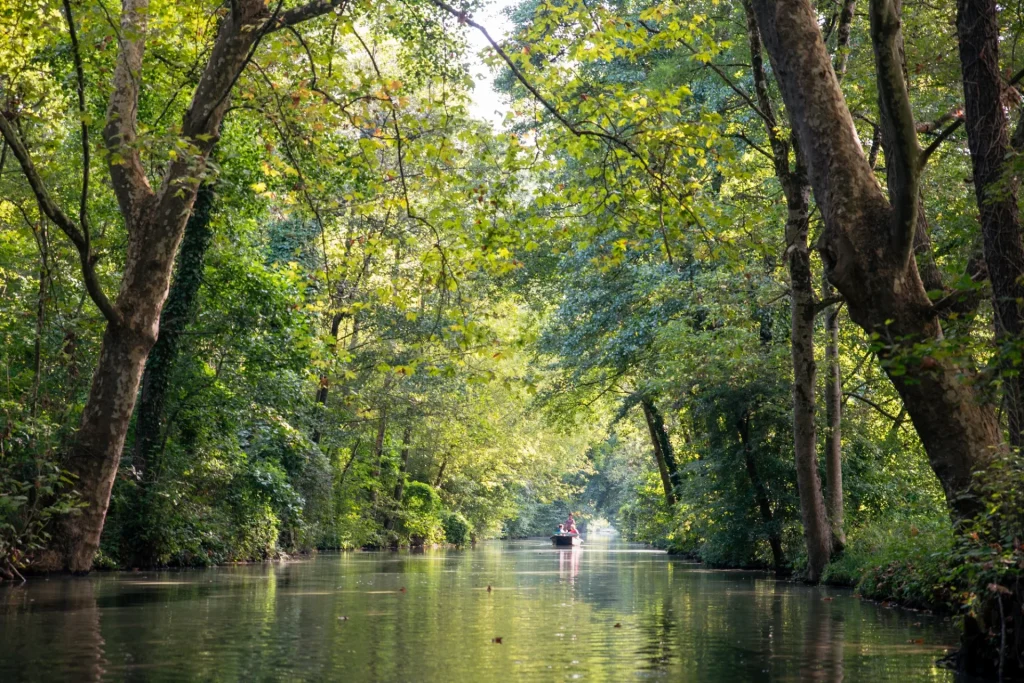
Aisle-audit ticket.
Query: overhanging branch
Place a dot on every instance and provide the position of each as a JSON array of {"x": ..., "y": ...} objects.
[{"x": 51, "y": 210}]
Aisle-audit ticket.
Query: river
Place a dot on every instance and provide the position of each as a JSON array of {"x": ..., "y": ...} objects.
[{"x": 504, "y": 611}]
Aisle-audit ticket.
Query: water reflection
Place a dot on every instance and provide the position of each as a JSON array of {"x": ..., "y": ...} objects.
[
  {"x": 603, "y": 612},
  {"x": 569, "y": 563}
]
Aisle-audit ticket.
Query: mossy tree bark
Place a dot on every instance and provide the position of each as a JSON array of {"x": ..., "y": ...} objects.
[{"x": 988, "y": 136}]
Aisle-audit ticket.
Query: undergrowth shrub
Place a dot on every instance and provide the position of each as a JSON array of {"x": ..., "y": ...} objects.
[
  {"x": 457, "y": 529},
  {"x": 903, "y": 560}
]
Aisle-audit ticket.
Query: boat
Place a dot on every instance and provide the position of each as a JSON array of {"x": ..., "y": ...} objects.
[{"x": 566, "y": 540}]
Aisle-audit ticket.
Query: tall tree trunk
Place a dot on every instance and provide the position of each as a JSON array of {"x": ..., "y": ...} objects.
[
  {"x": 988, "y": 137},
  {"x": 154, "y": 220},
  {"x": 764, "y": 505},
  {"x": 177, "y": 313},
  {"x": 833, "y": 431},
  {"x": 323, "y": 390},
  {"x": 817, "y": 535},
  {"x": 656, "y": 427},
  {"x": 867, "y": 242},
  {"x": 96, "y": 450}
]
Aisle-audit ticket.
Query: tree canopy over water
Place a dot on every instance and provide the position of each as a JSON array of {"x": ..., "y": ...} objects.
[{"x": 742, "y": 279}]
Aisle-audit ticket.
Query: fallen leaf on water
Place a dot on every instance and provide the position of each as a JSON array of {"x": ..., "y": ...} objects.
[
  {"x": 402, "y": 589},
  {"x": 496, "y": 640},
  {"x": 342, "y": 618},
  {"x": 617, "y": 625},
  {"x": 489, "y": 589},
  {"x": 916, "y": 641},
  {"x": 827, "y": 599}
]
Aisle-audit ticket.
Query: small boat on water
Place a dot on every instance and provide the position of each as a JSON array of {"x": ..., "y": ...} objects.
[{"x": 566, "y": 540}]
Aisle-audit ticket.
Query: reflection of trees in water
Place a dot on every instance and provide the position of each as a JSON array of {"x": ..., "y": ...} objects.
[
  {"x": 742, "y": 628},
  {"x": 286, "y": 620},
  {"x": 64, "y": 637},
  {"x": 658, "y": 626},
  {"x": 821, "y": 641},
  {"x": 81, "y": 630}
]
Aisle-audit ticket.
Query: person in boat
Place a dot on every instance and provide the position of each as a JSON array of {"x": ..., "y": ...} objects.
[
  {"x": 570, "y": 525},
  {"x": 561, "y": 528}
]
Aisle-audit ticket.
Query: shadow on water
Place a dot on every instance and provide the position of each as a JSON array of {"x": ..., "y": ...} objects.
[{"x": 523, "y": 611}]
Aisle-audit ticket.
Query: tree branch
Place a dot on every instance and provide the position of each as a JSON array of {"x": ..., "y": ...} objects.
[
  {"x": 869, "y": 402},
  {"x": 903, "y": 155},
  {"x": 573, "y": 128},
  {"x": 949, "y": 130},
  {"x": 83, "y": 213},
  {"x": 826, "y": 302},
  {"x": 306, "y": 12},
  {"x": 51, "y": 210},
  {"x": 780, "y": 148},
  {"x": 119, "y": 134}
]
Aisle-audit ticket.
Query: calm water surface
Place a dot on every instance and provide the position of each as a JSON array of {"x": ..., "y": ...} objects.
[{"x": 608, "y": 612}]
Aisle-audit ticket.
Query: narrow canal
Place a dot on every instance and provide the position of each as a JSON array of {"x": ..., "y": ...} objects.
[{"x": 504, "y": 611}]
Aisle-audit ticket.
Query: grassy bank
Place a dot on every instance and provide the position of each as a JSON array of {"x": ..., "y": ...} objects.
[{"x": 905, "y": 561}]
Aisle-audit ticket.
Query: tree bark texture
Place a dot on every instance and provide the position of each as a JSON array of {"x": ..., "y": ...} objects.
[
  {"x": 867, "y": 242},
  {"x": 988, "y": 137},
  {"x": 656, "y": 427},
  {"x": 817, "y": 534},
  {"x": 138, "y": 544}
]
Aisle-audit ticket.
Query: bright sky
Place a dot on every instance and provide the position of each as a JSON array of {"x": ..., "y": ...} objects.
[{"x": 487, "y": 104}]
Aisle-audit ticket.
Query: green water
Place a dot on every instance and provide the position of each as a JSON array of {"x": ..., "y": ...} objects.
[{"x": 429, "y": 617}]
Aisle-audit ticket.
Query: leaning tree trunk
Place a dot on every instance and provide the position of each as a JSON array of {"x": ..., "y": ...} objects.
[
  {"x": 817, "y": 534},
  {"x": 656, "y": 427},
  {"x": 403, "y": 467},
  {"x": 867, "y": 242},
  {"x": 96, "y": 450},
  {"x": 988, "y": 137},
  {"x": 138, "y": 544}
]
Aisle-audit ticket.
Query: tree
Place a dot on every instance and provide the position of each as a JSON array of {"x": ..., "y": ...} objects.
[
  {"x": 867, "y": 243},
  {"x": 154, "y": 220}
]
